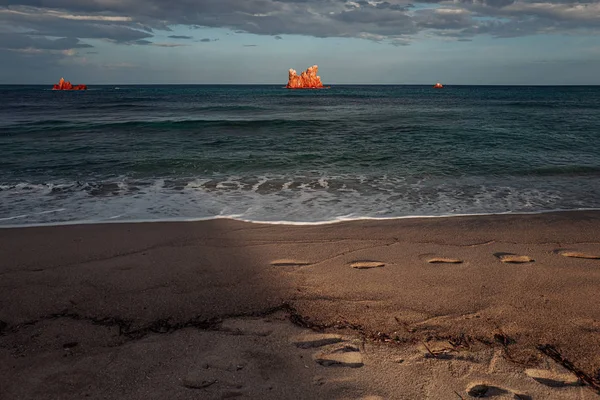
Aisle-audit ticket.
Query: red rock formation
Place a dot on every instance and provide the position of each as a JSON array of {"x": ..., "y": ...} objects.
[
  {"x": 306, "y": 80},
  {"x": 66, "y": 85},
  {"x": 438, "y": 86}
]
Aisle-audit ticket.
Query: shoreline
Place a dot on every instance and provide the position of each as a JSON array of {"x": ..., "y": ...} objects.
[
  {"x": 410, "y": 308},
  {"x": 283, "y": 222}
]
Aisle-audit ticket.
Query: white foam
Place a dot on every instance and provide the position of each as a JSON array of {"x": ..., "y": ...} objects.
[
  {"x": 50, "y": 211},
  {"x": 14, "y": 217},
  {"x": 261, "y": 180},
  {"x": 336, "y": 220},
  {"x": 300, "y": 199}
]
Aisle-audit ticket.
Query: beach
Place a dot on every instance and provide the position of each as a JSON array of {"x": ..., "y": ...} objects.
[{"x": 502, "y": 306}]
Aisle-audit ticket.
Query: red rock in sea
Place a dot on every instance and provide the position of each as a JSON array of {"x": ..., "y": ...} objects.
[
  {"x": 66, "y": 85},
  {"x": 438, "y": 86},
  {"x": 306, "y": 80}
]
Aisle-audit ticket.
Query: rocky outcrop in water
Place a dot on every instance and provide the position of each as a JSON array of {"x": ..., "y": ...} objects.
[
  {"x": 66, "y": 85},
  {"x": 306, "y": 80}
]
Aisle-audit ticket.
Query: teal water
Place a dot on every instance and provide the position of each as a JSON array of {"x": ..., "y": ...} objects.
[{"x": 264, "y": 153}]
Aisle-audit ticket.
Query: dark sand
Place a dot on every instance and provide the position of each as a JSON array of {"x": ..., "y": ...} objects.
[{"x": 227, "y": 309}]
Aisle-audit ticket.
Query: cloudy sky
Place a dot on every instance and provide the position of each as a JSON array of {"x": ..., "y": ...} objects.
[{"x": 257, "y": 41}]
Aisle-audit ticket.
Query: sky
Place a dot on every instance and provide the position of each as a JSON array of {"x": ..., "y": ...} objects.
[{"x": 475, "y": 42}]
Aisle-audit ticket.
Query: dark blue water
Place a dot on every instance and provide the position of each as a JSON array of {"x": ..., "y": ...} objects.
[{"x": 268, "y": 154}]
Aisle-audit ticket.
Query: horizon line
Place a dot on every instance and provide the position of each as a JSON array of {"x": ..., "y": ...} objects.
[{"x": 329, "y": 84}]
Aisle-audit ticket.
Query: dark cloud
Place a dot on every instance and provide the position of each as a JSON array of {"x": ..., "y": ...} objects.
[
  {"x": 144, "y": 42},
  {"x": 250, "y": 45},
  {"x": 141, "y": 42},
  {"x": 180, "y": 37},
  {"x": 277, "y": 37},
  {"x": 19, "y": 41}
]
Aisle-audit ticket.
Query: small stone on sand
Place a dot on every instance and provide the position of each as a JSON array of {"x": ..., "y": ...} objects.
[
  {"x": 289, "y": 263},
  {"x": 578, "y": 254},
  {"x": 515, "y": 259},
  {"x": 316, "y": 340},
  {"x": 351, "y": 359},
  {"x": 367, "y": 264},
  {"x": 443, "y": 260},
  {"x": 553, "y": 379}
]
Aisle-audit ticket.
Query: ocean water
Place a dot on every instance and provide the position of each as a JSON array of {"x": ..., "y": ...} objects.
[{"x": 264, "y": 153}]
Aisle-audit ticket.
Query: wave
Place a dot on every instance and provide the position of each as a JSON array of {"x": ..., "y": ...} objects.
[
  {"x": 542, "y": 104},
  {"x": 231, "y": 108},
  {"x": 114, "y": 106},
  {"x": 575, "y": 170},
  {"x": 166, "y": 125}
]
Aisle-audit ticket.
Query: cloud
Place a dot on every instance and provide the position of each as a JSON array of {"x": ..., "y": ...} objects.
[
  {"x": 141, "y": 42},
  {"x": 250, "y": 45},
  {"x": 397, "y": 22},
  {"x": 207, "y": 40},
  {"x": 53, "y": 23},
  {"x": 400, "y": 42},
  {"x": 168, "y": 44}
]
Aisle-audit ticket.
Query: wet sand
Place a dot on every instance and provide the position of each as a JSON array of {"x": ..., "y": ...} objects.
[{"x": 434, "y": 308}]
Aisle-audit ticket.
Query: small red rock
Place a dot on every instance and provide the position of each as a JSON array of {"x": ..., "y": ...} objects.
[{"x": 66, "y": 85}]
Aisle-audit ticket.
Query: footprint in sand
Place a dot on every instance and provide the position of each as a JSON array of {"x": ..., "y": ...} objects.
[
  {"x": 513, "y": 258},
  {"x": 334, "y": 353},
  {"x": 289, "y": 262},
  {"x": 346, "y": 356},
  {"x": 367, "y": 264},
  {"x": 316, "y": 340},
  {"x": 196, "y": 381},
  {"x": 577, "y": 254},
  {"x": 444, "y": 260},
  {"x": 553, "y": 379},
  {"x": 480, "y": 390}
]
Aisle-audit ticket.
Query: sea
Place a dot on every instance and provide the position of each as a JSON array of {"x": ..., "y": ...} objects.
[{"x": 122, "y": 153}]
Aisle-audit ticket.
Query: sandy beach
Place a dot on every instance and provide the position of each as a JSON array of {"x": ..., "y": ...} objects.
[{"x": 501, "y": 306}]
